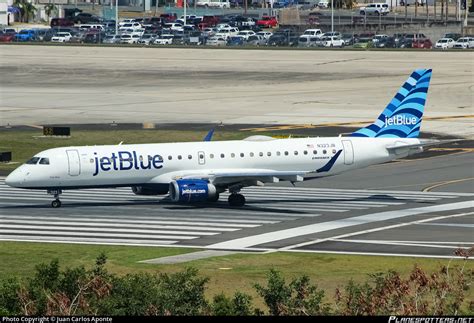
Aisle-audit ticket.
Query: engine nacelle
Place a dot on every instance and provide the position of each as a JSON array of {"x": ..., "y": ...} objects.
[
  {"x": 150, "y": 190},
  {"x": 191, "y": 190}
]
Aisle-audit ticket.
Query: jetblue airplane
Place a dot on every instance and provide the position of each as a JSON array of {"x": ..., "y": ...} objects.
[{"x": 198, "y": 171}]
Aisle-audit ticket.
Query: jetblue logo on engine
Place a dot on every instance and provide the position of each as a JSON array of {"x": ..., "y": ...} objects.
[
  {"x": 126, "y": 160},
  {"x": 400, "y": 120}
]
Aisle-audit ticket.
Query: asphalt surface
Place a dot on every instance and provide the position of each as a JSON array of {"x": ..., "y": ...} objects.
[
  {"x": 69, "y": 85},
  {"x": 380, "y": 210}
]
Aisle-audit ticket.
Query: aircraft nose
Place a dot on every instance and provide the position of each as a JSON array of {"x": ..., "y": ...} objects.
[{"x": 14, "y": 179}]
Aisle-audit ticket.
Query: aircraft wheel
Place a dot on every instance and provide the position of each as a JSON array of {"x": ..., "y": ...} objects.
[
  {"x": 236, "y": 200},
  {"x": 56, "y": 203}
]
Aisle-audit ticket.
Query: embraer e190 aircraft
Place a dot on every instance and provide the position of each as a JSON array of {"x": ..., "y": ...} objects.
[{"x": 199, "y": 171}]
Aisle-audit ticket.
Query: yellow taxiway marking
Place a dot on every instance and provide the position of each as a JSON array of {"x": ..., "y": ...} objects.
[
  {"x": 429, "y": 188},
  {"x": 336, "y": 124}
]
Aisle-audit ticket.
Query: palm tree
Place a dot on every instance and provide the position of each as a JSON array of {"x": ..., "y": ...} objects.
[
  {"x": 27, "y": 9},
  {"x": 50, "y": 8}
]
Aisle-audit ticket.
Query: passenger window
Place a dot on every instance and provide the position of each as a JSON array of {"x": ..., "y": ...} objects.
[
  {"x": 305, "y": 152},
  {"x": 222, "y": 155},
  {"x": 179, "y": 157},
  {"x": 44, "y": 161},
  {"x": 269, "y": 154},
  {"x": 334, "y": 151},
  {"x": 296, "y": 153},
  {"x": 170, "y": 157},
  {"x": 211, "y": 155},
  {"x": 324, "y": 151},
  {"x": 278, "y": 153},
  {"x": 232, "y": 155},
  {"x": 315, "y": 152},
  {"x": 242, "y": 155},
  {"x": 251, "y": 154},
  {"x": 286, "y": 153},
  {"x": 201, "y": 156},
  {"x": 33, "y": 161},
  {"x": 260, "y": 154},
  {"x": 190, "y": 157}
]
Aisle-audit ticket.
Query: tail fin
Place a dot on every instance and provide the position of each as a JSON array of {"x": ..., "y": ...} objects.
[{"x": 402, "y": 116}]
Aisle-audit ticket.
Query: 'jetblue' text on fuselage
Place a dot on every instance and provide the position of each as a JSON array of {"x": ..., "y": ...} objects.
[{"x": 125, "y": 160}]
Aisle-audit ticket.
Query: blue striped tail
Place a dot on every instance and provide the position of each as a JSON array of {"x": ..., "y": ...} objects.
[{"x": 403, "y": 115}]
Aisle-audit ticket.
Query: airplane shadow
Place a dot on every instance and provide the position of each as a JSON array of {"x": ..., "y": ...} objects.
[{"x": 166, "y": 204}]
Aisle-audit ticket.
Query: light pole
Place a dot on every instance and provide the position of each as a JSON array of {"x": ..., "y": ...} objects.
[
  {"x": 332, "y": 17},
  {"x": 116, "y": 17},
  {"x": 185, "y": 3}
]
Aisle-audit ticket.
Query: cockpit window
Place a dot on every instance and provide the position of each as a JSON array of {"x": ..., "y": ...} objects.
[
  {"x": 33, "y": 161},
  {"x": 44, "y": 161}
]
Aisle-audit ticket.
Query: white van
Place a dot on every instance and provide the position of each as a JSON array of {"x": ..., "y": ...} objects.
[
  {"x": 375, "y": 8},
  {"x": 213, "y": 3},
  {"x": 90, "y": 26}
]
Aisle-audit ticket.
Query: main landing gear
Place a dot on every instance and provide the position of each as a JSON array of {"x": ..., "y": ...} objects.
[
  {"x": 236, "y": 199},
  {"x": 56, "y": 203}
]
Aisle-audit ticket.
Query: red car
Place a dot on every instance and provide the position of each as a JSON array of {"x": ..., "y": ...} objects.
[
  {"x": 6, "y": 37},
  {"x": 210, "y": 21},
  {"x": 422, "y": 43},
  {"x": 267, "y": 22}
]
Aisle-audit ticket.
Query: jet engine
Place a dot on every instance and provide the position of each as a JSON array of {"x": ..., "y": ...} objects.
[{"x": 193, "y": 190}]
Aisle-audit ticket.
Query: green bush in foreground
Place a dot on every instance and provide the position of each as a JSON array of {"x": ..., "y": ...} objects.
[{"x": 77, "y": 291}]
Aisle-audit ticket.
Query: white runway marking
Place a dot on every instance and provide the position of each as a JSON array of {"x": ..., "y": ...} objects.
[
  {"x": 246, "y": 242},
  {"x": 86, "y": 215}
]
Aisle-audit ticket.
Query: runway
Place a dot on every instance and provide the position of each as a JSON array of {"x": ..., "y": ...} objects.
[{"x": 298, "y": 219}]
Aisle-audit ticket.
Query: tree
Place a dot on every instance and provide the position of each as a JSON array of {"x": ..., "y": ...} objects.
[
  {"x": 50, "y": 9},
  {"x": 27, "y": 9}
]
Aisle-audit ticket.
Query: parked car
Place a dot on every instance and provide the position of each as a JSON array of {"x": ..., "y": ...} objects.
[
  {"x": 332, "y": 41},
  {"x": 378, "y": 38},
  {"x": 210, "y": 21},
  {"x": 6, "y": 37},
  {"x": 267, "y": 22},
  {"x": 464, "y": 43},
  {"x": 147, "y": 39},
  {"x": 454, "y": 36},
  {"x": 256, "y": 40},
  {"x": 313, "y": 32},
  {"x": 307, "y": 41},
  {"x": 386, "y": 42},
  {"x": 86, "y": 18},
  {"x": 323, "y": 4},
  {"x": 265, "y": 34},
  {"x": 445, "y": 43},
  {"x": 164, "y": 39},
  {"x": 363, "y": 43},
  {"x": 349, "y": 39},
  {"x": 375, "y": 8},
  {"x": 61, "y": 37},
  {"x": 26, "y": 35},
  {"x": 246, "y": 33},
  {"x": 422, "y": 43},
  {"x": 236, "y": 41},
  {"x": 216, "y": 41},
  {"x": 112, "y": 39},
  {"x": 129, "y": 39},
  {"x": 61, "y": 22}
]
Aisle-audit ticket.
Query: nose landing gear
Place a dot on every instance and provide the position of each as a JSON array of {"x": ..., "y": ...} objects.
[{"x": 56, "y": 203}]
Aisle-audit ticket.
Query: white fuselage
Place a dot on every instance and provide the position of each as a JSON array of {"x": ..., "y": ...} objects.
[{"x": 140, "y": 164}]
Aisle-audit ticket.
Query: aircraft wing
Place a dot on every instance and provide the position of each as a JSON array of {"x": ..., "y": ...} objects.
[{"x": 246, "y": 177}]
